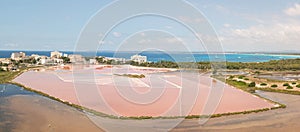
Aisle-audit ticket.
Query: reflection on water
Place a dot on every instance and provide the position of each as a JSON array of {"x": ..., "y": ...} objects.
[
  {"x": 7, "y": 118},
  {"x": 10, "y": 89}
]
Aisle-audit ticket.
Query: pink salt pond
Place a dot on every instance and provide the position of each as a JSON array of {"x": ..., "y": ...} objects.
[{"x": 162, "y": 92}]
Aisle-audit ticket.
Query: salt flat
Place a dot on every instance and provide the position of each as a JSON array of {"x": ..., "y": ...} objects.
[{"x": 163, "y": 92}]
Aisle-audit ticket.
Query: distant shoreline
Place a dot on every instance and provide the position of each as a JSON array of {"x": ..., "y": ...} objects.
[{"x": 154, "y": 56}]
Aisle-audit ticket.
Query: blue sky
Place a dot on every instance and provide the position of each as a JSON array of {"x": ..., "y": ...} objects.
[{"x": 270, "y": 25}]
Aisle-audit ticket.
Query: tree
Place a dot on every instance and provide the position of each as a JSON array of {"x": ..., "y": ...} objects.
[
  {"x": 252, "y": 84},
  {"x": 66, "y": 59}
]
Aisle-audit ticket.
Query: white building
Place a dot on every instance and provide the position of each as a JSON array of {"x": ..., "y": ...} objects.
[
  {"x": 35, "y": 56},
  {"x": 56, "y": 54},
  {"x": 122, "y": 60},
  {"x": 139, "y": 58},
  {"x": 5, "y": 61},
  {"x": 93, "y": 61},
  {"x": 45, "y": 61},
  {"x": 58, "y": 61},
  {"x": 76, "y": 58},
  {"x": 18, "y": 55},
  {"x": 65, "y": 55}
]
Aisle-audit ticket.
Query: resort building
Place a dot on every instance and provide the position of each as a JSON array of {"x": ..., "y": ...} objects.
[
  {"x": 93, "y": 61},
  {"x": 139, "y": 58},
  {"x": 76, "y": 58},
  {"x": 18, "y": 55},
  {"x": 45, "y": 61},
  {"x": 121, "y": 60},
  {"x": 35, "y": 56},
  {"x": 56, "y": 54},
  {"x": 5, "y": 61}
]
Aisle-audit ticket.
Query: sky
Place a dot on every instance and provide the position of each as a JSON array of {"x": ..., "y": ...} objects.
[{"x": 241, "y": 26}]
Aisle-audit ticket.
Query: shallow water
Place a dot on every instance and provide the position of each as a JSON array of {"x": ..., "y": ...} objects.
[{"x": 10, "y": 90}]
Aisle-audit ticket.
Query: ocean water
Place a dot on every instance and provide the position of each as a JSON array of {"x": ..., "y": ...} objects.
[{"x": 179, "y": 57}]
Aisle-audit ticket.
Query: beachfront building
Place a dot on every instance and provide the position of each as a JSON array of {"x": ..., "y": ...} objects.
[
  {"x": 58, "y": 61},
  {"x": 35, "y": 56},
  {"x": 45, "y": 60},
  {"x": 93, "y": 61},
  {"x": 120, "y": 60},
  {"x": 65, "y": 55},
  {"x": 56, "y": 54},
  {"x": 76, "y": 58},
  {"x": 18, "y": 56},
  {"x": 5, "y": 61},
  {"x": 139, "y": 58}
]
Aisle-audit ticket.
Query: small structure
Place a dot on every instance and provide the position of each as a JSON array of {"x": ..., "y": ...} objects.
[
  {"x": 120, "y": 60},
  {"x": 138, "y": 58},
  {"x": 18, "y": 56},
  {"x": 93, "y": 61},
  {"x": 5, "y": 61},
  {"x": 76, "y": 58},
  {"x": 45, "y": 61},
  {"x": 35, "y": 56},
  {"x": 56, "y": 54}
]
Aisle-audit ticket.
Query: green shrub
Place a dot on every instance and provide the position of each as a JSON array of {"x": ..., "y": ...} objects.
[
  {"x": 263, "y": 84},
  {"x": 241, "y": 83},
  {"x": 241, "y": 77},
  {"x": 274, "y": 86},
  {"x": 298, "y": 86},
  {"x": 231, "y": 77},
  {"x": 289, "y": 87},
  {"x": 294, "y": 83},
  {"x": 246, "y": 78},
  {"x": 252, "y": 84},
  {"x": 285, "y": 84}
]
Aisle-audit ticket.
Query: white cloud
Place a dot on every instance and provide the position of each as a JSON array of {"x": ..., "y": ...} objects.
[
  {"x": 293, "y": 11},
  {"x": 227, "y": 25},
  {"x": 11, "y": 45},
  {"x": 143, "y": 34},
  {"x": 188, "y": 19},
  {"x": 101, "y": 42},
  {"x": 117, "y": 34},
  {"x": 168, "y": 27},
  {"x": 174, "y": 40},
  {"x": 276, "y": 36},
  {"x": 144, "y": 41}
]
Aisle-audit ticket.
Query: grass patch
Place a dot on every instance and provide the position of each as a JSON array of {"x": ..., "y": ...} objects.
[
  {"x": 274, "y": 86},
  {"x": 263, "y": 84},
  {"x": 252, "y": 84},
  {"x": 289, "y": 87},
  {"x": 7, "y": 76},
  {"x": 131, "y": 75},
  {"x": 241, "y": 77},
  {"x": 286, "y": 84}
]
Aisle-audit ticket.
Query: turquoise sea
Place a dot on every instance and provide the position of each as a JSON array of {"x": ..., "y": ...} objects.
[{"x": 176, "y": 56}]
